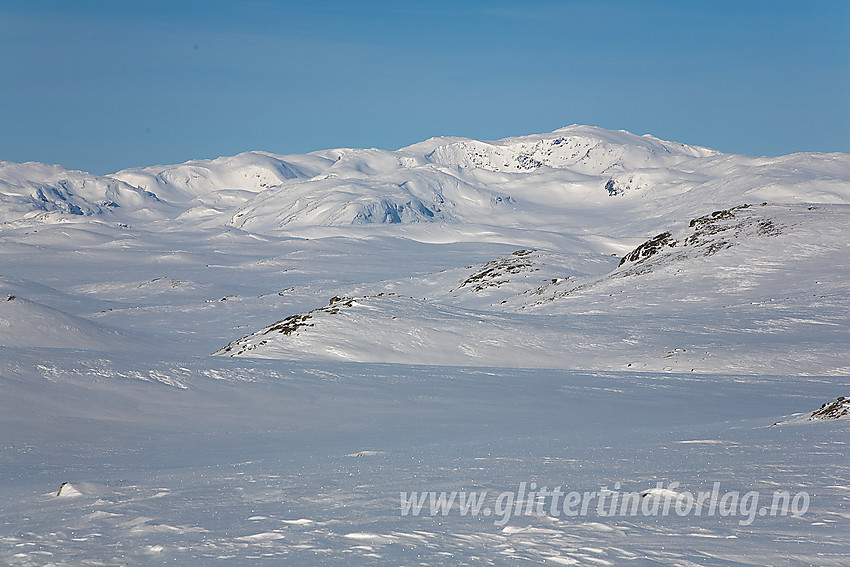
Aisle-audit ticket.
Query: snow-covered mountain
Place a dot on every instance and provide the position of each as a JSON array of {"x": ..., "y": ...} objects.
[
  {"x": 540, "y": 179},
  {"x": 583, "y": 149},
  {"x": 38, "y": 190},
  {"x": 726, "y": 239},
  {"x": 206, "y": 187},
  {"x": 246, "y": 360}
]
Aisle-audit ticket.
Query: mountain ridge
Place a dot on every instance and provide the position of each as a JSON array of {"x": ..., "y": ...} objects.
[{"x": 443, "y": 180}]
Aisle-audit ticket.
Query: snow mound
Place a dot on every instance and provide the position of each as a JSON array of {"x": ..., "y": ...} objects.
[
  {"x": 722, "y": 254},
  {"x": 393, "y": 328},
  {"x": 25, "y": 323},
  {"x": 68, "y": 490},
  {"x": 708, "y": 234},
  {"x": 662, "y": 494},
  {"x": 839, "y": 409}
]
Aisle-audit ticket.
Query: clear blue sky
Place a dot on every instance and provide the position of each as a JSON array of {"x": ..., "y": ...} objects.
[{"x": 104, "y": 85}]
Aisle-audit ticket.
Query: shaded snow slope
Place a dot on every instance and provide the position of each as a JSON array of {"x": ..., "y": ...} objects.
[{"x": 26, "y": 323}]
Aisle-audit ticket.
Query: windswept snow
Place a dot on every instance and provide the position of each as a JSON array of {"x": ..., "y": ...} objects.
[{"x": 253, "y": 359}]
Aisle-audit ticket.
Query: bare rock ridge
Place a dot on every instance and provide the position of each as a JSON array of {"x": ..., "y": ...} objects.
[{"x": 497, "y": 272}]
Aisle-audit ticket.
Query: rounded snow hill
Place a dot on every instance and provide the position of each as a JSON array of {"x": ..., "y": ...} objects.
[
  {"x": 25, "y": 323},
  {"x": 572, "y": 176},
  {"x": 204, "y": 179}
]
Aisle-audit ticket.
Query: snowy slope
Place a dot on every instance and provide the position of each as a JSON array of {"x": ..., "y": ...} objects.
[
  {"x": 27, "y": 323},
  {"x": 370, "y": 187},
  {"x": 833, "y": 409},
  {"x": 778, "y": 272}
]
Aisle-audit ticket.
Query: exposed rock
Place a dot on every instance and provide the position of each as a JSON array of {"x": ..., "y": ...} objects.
[
  {"x": 68, "y": 490},
  {"x": 835, "y": 410},
  {"x": 649, "y": 248},
  {"x": 494, "y": 273},
  {"x": 711, "y": 233},
  {"x": 286, "y": 326}
]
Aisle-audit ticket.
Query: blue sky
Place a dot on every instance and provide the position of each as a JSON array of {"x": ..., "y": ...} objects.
[{"x": 104, "y": 85}]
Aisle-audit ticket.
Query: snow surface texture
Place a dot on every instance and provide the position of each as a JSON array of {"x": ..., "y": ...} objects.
[{"x": 245, "y": 360}]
